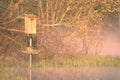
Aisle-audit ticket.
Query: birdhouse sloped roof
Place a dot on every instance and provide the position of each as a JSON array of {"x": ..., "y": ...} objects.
[{"x": 30, "y": 15}]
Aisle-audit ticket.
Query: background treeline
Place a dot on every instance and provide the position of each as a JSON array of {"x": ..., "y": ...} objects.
[{"x": 63, "y": 26}]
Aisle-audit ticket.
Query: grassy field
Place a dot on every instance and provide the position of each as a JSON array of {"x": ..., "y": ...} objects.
[
  {"x": 60, "y": 68},
  {"x": 80, "y": 61},
  {"x": 66, "y": 61}
]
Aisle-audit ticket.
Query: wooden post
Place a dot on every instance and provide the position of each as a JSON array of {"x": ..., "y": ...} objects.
[
  {"x": 119, "y": 21},
  {"x": 30, "y": 59}
]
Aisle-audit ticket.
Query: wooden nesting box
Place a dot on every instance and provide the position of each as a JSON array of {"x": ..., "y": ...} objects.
[{"x": 30, "y": 24}]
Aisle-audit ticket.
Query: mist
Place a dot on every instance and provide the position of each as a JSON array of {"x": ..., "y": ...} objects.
[{"x": 111, "y": 43}]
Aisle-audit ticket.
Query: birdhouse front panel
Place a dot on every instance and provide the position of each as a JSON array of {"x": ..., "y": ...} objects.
[{"x": 30, "y": 25}]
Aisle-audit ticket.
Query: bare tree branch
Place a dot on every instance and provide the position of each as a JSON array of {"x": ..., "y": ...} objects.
[
  {"x": 14, "y": 30},
  {"x": 68, "y": 8},
  {"x": 3, "y": 14},
  {"x": 12, "y": 39}
]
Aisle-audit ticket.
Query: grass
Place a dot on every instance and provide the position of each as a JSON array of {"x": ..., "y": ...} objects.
[
  {"x": 80, "y": 61},
  {"x": 68, "y": 61}
]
